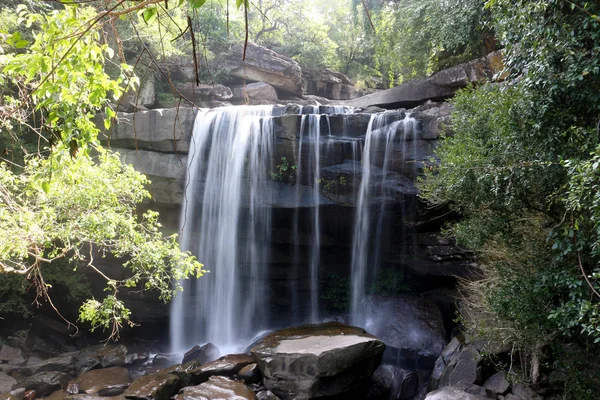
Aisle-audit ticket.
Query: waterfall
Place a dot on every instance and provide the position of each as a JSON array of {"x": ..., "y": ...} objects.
[
  {"x": 226, "y": 199},
  {"x": 235, "y": 168},
  {"x": 367, "y": 245}
]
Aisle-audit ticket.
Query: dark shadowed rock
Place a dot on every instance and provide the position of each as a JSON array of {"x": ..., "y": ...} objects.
[
  {"x": 391, "y": 382},
  {"x": 228, "y": 365},
  {"x": 266, "y": 395},
  {"x": 264, "y": 65},
  {"x": 217, "y": 388},
  {"x": 497, "y": 383},
  {"x": 462, "y": 367},
  {"x": 317, "y": 360},
  {"x": 204, "y": 353},
  {"x": 449, "y": 353},
  {"x": 475, "y": 389},
  {"x": 250, "y": 374},
  {"x": 11, "y": 355},
  {"x": 153, "y": 387},
  {"x": 63, "y": 364},
  {"x": 438, "y": 87},
  {"x": 104, "y": 382},
  {"x": 100, "y": 356},
  {"x": 44, "y": 383},
  {"x": 6, "y": 383}
]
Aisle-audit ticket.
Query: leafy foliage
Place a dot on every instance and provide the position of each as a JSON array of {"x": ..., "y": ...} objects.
[{"x": 521, "y": 168}]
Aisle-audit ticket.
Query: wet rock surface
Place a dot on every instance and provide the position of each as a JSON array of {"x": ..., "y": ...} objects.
[
  {"x": 104, "y": 382},
  {"x": 203, "y": 354},
  {"x": 44, "y": 383},
  {"x": 217, "y": 388},
  {"x": 153, "y": 386},
  {"x": 317, "y": 360}
]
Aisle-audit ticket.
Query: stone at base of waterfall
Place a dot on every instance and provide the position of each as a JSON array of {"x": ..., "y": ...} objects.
[
  {"x": 153, "y": 387},
  {"x": 450, "y": 393},
  {"x": 217, "y": 388},
  {"x": 105, "y": 381},
  {"x": 44, "y": 383},
  {"x": 321, "y": 360},
  {"x": 228, "y": 365},
  {"x": 205, "y": 353}
]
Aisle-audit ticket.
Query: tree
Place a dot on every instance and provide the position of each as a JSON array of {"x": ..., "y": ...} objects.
[{"x": 69, "y": 198}]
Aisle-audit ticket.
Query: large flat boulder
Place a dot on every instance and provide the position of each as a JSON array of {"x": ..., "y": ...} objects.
[
  {"x": 438, "y": 87},
  {"x": 264, "y": 65},
  {"x": 313, "y": 361}
]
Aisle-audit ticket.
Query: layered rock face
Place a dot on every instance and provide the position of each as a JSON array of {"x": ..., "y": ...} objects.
[
  {"x": 264, "y": 65},
  {"x": 438, "y": 87}
]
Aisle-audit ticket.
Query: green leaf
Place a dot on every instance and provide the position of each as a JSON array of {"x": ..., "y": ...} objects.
[
  {"x": 197, "y": 3},
  {"x": 46, "y": 186},
  {"x": 21, "y": 44},
  {"x": 149, "y": 14}
]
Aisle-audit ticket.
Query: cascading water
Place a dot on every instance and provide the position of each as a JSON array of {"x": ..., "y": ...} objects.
[
  {"x": 372, "y": 199},
  {"x": 228, "y": 167},
  {"x": 228, "y": 213}
]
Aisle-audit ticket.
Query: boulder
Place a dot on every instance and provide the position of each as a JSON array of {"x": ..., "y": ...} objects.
[
  {"x": 317, "y": 360},
  {"x": 196, "y": 93},
  {"x": 497, "y": 383},
  {"x": 44, "y": 383},
  {"x": 250, "y": 374},
  {"x": 11, "y": 355},
  {"x": 266, "y": 395},
  {"x": 153, "y": 387},
  {"x": 228, "y": 365},
  {"x": 329, "y": 84},
  {"x": 100, "y": 356},
  {"x": 6, "y": 383},
  {"x": 255, "y": 93},
  {"x": 438, "y": 87},
  {"x": 475, "y": 389},
  {"x": 264, "y": 65},
  {"x": 450, "y": 393},
  {"x": 217, "y": 388},
  {"x": 411, "y": 327},
  {"x": 63, "y": 364},
  {"x": 105, "y": 381},
  {"x": 448, "y": 354},
  {"x": 464, "y": 366},
  {"x": 203, "y": 354},
  {"x": 144, "y": 96},
  {"x": 524, "y": 392}
]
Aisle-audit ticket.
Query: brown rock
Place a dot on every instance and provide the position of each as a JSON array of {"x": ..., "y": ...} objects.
[
  {"x": 104, "y": 382},
  {"x": 153, "y": 387},
  {"x": 217, "y": 388},
  {"x": 228, "y": 365}
]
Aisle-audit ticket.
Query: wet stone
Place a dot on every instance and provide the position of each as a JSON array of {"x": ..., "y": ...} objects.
[
  {"x": 45, "y": 383},
  {"x": 203, "y": 354},
  {"x": 217, "y": 388},
  {"x": 153, "y": 387},
  {"x": 228, "y": 365},
  {"x": 104, "y": 382},
  {"x": 250, "y": 374}
]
